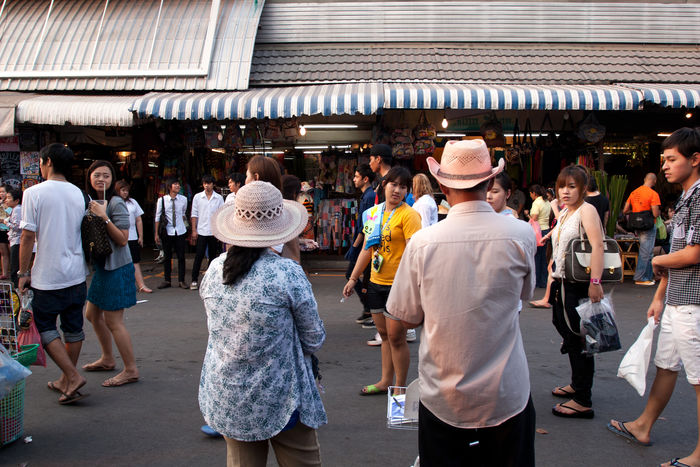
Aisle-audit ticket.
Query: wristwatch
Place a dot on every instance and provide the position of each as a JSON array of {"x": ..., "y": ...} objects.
[
  {"x": 107, "y": 221},
  {"x": 24, "y": 274},
  {"x": 595, "y": 281}
]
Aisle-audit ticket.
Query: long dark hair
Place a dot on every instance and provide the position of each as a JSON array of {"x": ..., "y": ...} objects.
[
  {"x": 88, "y": 186},
  {"x": 238, "y": 262}
]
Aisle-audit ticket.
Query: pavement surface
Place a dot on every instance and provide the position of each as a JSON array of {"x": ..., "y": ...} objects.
[{"x": 156, "y": 421}]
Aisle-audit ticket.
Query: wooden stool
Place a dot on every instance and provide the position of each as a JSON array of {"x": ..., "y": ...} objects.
[{"x": 629, "y": 263}]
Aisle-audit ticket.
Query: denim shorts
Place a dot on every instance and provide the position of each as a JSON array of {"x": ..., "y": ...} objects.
[{"x": 67, "y": 303}]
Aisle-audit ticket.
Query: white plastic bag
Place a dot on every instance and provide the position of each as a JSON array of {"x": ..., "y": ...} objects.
[
  {"x": 598, "y": 326},
  {"x": 11, "y": 372},
  {"x": 635, "y": 363}
]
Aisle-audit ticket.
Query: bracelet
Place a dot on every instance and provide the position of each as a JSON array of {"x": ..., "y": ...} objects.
[
  {"x": 595, "y": 281},
  {"x": 353, "y": 279}
]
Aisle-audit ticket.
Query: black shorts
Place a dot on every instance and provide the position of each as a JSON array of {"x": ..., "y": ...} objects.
[
  {"x": 3, "y": 237},
  {"x": 67, "y": 303},
  {"x": 135, "y": 250},
  {"x": 377, "y": 295}
]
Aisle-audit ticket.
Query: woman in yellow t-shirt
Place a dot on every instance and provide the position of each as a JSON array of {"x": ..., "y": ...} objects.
[
  {"x": 388, "y": 228},
  {"x": 540, "y": 212}
]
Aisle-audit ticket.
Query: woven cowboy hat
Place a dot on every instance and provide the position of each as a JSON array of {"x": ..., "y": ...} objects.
[
  {"x": 259, "y": 218},
  {"x": 464, "y": 164}
]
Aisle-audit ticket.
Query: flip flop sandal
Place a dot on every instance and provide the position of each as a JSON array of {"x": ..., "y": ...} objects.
[
  {"x": 576, "y": 414},
  {"x": 566, "y": 394},
  {"x": 372, "y": 390},
  {"x": 114, "y": 382},
  {"x": 98, "y": 367},
  {"x": 77, "y": 395},
  {"x": 625, "y": 433},
  {"x": 677, "y": 463},
  {"x": 53, "y": 387}
]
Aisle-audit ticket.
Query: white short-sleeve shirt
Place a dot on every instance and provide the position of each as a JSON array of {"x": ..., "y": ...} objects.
[{"x": 134, "y": 211}]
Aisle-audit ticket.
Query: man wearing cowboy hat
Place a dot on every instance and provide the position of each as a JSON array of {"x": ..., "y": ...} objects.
[{"x": 475, "y": 405}]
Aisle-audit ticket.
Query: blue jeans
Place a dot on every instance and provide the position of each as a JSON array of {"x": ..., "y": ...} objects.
[{"x": 644, "y": 271}]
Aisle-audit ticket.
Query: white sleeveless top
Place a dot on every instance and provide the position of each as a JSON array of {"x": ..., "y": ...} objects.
[{"x": 563, "y": 233}]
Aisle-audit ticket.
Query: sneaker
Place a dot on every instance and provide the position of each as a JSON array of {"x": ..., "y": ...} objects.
[
  {"x": 645, "y": 283},
  {"x": 183, "y": 285},
  {"x": 363, "y": 317},
  {"x": 194, "y": 285},
  {"x": 376, "y": 341},
  {"x": 164, "y": 285},
  {"x": 410, "y": 335},
  {"x": 368, "y": 324}
]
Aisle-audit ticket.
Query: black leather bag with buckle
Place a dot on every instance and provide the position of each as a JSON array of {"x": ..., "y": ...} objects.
[
  {"x": 163, "y": 222},
  {"x": 577, "y": 260},
  {"x": 643, "y": 220}
]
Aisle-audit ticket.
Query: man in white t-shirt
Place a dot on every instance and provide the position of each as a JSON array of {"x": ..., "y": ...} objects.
[
  {"x": 235, "y": 182},
  {"x": 52, "y": 212},
  {"x": 204, "y": 204}
]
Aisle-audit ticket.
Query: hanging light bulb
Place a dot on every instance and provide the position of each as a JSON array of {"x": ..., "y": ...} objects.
[
  {"x": 689, "y": 115},
  {"x": 302, "y": 130},
  {"x": 444, "y": 123}
]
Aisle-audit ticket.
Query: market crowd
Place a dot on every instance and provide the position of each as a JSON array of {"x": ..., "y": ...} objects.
[{"x": 258, "y": 383}]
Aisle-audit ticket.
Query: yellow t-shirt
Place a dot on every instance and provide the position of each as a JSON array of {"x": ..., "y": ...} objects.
[
  {"x": 542, "y": 209},
  {"x": 403, "y": 224}
]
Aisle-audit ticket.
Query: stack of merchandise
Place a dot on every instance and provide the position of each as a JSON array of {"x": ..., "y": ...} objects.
[{"x": 336, "y": 223}]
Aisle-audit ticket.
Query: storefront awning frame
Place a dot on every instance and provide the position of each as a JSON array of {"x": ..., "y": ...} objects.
[{"x": 76, "y": 110}]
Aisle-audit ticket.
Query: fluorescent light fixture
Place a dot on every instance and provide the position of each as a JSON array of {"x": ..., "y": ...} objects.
[
  {"x": 312, "y": 152},
  {"x": 451, "y": 135},
  {"x": 219, "y": 150},
  {"x": 242, "y": 127},
  {"x": 346, "y": 146},
  {"x": 328, "y": 126},
  {"x": 663, "y": 135},
  {"x": 262, "y": 152}
]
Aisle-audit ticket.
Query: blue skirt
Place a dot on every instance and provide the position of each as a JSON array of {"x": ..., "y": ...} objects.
[{"x": 113, "y": 290}]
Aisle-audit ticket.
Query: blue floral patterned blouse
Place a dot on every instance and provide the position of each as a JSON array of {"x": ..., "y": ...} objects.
[{"x": 257, "y": 369}]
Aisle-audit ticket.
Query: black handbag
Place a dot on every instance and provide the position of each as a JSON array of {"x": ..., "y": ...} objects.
[
  {"x": 577, "y": 260},
  {"x": 163, "y": 221},
  {"x": 94, "y": 236},
  {"x": 643, "y": 220}
]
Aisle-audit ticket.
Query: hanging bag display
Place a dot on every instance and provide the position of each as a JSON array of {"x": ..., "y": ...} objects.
[{"x": 577, "y": 260}]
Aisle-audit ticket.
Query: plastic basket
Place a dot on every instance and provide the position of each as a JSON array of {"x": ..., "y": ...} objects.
[
  {"x": 27, "y": 354},
  {"x": 12, "y": 415}
]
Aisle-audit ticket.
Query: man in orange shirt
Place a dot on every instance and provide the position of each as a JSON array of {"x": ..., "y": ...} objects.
[{"x": 644, "y": 203}]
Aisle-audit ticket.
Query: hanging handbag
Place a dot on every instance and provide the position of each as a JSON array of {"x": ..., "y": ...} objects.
[
  {"x": 163, "y": 221},
  {"x": 577, "y": 260},
  {"x": 94, "y": 236}
]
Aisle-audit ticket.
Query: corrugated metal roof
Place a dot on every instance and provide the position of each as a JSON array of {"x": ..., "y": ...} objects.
[
  {"x": 82, "y": 110},
  {"x": 276, "y": 65},
  {"x": 479, "y": 21},
  {"x": 101, "y": 45}
]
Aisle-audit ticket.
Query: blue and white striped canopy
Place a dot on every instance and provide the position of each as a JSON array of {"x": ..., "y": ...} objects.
[
  {"x": 370, "y": 98},
  {"x": 671, "y": 95},
  {"x": 287, "y": 102},
  {"x": 502, "y": 97}
]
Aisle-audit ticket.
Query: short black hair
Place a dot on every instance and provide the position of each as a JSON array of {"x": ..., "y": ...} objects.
[
  {"x": 399, "y": 175},
  {"x": 383, "y": 151},
  {"x": 236, "y": 177},
  {"x": 538, "y": 190},
  {"x": 685, "y": 140},
  {"x": 503, "y": 179},
  {"x": 291, "y": 187},
  {"x": 207, "y": 179},
  {"x": 61, "y": 157},
  {"x": 169, "y": 182},
  {"x": 365, "y": 171},
  {"x": 15, "y": 192},
  {"x": 592, "y": 184}
]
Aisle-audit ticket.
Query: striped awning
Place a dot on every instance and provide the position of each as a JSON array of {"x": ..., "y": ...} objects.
[
  {"x": 502, "y": 97},
  {"x": 671, "y": 95},
  {"x": 287, "y": 102},
  {"x": 78, "y": 110}
]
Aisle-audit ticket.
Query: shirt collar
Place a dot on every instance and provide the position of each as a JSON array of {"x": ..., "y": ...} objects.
[
  {"x": 690, "y": 190},
  {"x": 470, "y": 206}
]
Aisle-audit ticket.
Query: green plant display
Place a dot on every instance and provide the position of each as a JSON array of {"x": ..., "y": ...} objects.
[{"x": 616, "y": 193}]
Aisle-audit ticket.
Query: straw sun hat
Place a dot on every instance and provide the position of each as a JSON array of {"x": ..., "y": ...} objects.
[
  {"x": 464, "y": 164},
  {"x": 259, "y": 218}
]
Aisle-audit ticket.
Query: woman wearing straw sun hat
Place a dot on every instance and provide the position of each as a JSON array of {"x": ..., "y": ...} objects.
[{"x": 257, "y": 383}]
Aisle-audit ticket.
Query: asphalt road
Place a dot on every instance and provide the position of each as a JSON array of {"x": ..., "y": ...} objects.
[{"x": 156, "y": 421}]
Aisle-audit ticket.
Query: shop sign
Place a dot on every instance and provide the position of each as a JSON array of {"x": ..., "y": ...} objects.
[{"x": 473, "y": 124}]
